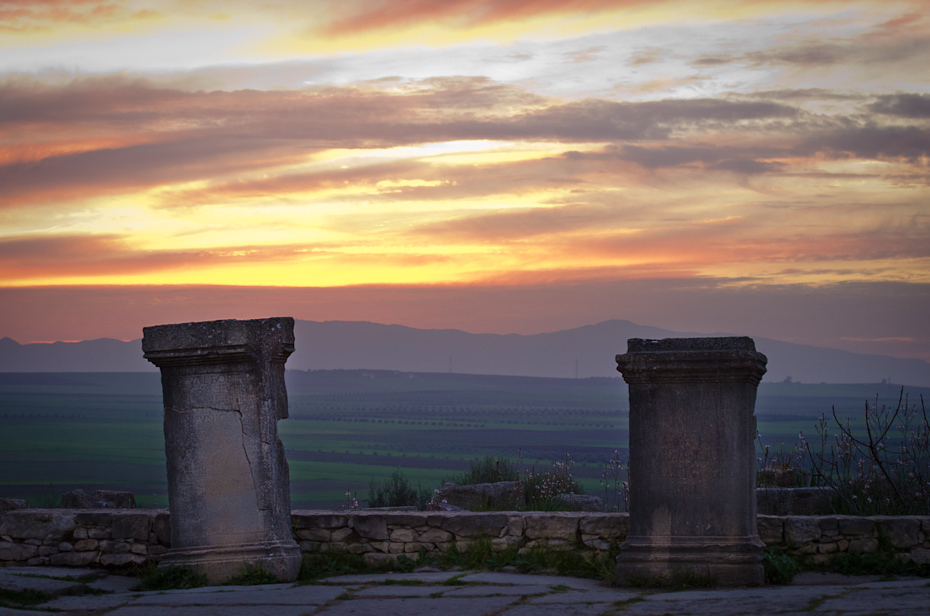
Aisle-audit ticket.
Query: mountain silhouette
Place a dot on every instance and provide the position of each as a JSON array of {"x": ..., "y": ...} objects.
[{"x": 581, "y": 352}]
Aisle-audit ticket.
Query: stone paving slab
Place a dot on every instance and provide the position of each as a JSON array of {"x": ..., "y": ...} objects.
[
  {"x": 114, "y": 583},
  {"x": 490, "y": 577},
  {"x": 56, "y": 588},
  {"x": 430, "y": 577},
  {"x": 56, "y": 572},
  {"x": 211, "y": 610},
  {"x": 400, "y": 591},
  {"x": 474, "y": 606},
  {"x": 7, "y": 611},
  {"x": 911, "y": 601},
  {"x": 594, "y": 609},
  {"x": 485, "y": 590},
  {"x": 249, "y": 595},
  {"x": 88, "y": 603},
  {"x": 591, "y": 596}
]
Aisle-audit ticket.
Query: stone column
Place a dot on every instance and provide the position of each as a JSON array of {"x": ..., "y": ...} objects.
[
  {"x": 692, "y": 461},
  {"x": 228, "y": 484}
]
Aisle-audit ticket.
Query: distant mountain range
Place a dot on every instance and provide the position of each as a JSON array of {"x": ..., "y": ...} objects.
[{"x": 582, "y": 352}]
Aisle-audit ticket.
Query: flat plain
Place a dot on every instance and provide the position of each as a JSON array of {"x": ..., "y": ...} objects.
[{"x": 62, "y": 431}]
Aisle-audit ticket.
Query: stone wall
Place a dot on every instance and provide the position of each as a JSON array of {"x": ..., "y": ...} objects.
[{"x": 118, "y": 539}]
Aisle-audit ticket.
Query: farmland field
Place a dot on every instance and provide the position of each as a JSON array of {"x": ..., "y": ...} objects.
[{"x": 104, "y": 430}]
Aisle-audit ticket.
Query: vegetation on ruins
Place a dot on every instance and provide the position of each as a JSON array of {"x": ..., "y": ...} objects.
[
  {"x": 880, "y": 469},
  {"x": 172, "y": 577},
  {"x": 478, "y": 555}
]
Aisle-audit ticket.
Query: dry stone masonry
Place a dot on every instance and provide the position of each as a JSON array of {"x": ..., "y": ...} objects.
[
  {"x": 118, "y": 539},
  {"x": 692, "y": 460},
  {"x": 228, "y": 486}
]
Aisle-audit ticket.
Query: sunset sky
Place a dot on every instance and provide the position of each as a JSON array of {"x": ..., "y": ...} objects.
[{"x": 510, "y": 166}]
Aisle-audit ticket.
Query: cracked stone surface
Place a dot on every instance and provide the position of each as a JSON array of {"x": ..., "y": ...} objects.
[{"x": 481, "y": 594}]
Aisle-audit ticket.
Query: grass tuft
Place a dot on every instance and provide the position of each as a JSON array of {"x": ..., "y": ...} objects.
[{"x": 253, "y": 575}]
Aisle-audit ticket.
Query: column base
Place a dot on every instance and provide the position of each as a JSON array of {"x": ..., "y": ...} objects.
[
  {"x": 222, "y": 563},
  {"x": 716, "y": 561}
]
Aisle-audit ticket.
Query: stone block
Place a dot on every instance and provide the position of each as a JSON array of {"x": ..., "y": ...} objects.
[
  {"x": 434, "y": 535},
  {"x": 85, "y": 545},
  {"x": 358, "y": 548},
  {"x": 503, "y": 543},
  {"x": 121, "y": 560},
  {"x": 771, "y": 530},
  {"x": 301, "y": 520},
  {"x": 98, "y": 533},
  {"x": 921, "y": 556},
  {"x": 562, "y": 528},
  {"x": 851, "y": 526},
  {"x": 596, "y": 543},
  {"x": 415, "y": 546},
  {"x": 371, "y": 527},
  {"x": 77, "y": 499},
  {"x": 114, "y": 547},
  {"x": 515, "y": 526},
  {"x": 114, "y": 499},
  {"x": 161, "y": 526},
  {"x": 17, "y": 551},
  {"x": 405, "y": 520},
  {"x": 902, "y": 532},
  {"x": 477, "y": 525},
  {"x": 30, "y": 524},
  {"x": 403, "y": 535},
  {"x": 73, "y": 559},
  {"x": 131, "y": 526},
  {"x": 11, "y": 504},
  {"x": 309, "y": 546},
  {"x": 606, "y": 526},
  {"x": 138, "y": 548},
  {"x": 46, "y": 550},
  {"x": 827, "y": 548},
  {"x": 317, "y": 534},
  {"x": 801, "y": 530},
  {"x": 79, "y": 533},
  {"x": 64, "y": 546}
]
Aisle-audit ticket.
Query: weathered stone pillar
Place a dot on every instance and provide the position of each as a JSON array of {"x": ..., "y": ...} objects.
[
  {"x": 692, "y": 461},
  {"x": 228, "y": 487}
]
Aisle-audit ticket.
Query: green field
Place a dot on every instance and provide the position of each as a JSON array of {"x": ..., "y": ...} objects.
[{"x": 104, "y": 430}]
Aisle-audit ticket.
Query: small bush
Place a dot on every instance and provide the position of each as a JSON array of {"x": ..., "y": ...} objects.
[
  {"x": 779, "y": 567},
  {"x": 397, "y": 492},
  {"x": 488, "y": 470},
  {"x": 253, "y": 575}
]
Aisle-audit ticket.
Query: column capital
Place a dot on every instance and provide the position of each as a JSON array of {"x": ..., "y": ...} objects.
[
  {"x": 692, "y": 360},
  {"x": 219, "y": 342}
]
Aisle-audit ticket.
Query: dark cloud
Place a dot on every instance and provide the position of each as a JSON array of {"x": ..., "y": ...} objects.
[
  {"x": 872, "y": 142},
  {"x": 157, "y": 136},
  {"x": 724, "y": 158},
  {"x": 903, "y": 105}
]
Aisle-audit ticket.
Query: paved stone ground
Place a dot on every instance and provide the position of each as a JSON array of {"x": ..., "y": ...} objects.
[{"x": 86, "y": 592}]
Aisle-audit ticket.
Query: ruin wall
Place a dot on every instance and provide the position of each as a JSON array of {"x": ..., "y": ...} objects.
[{"x": 120, "y": 538}]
